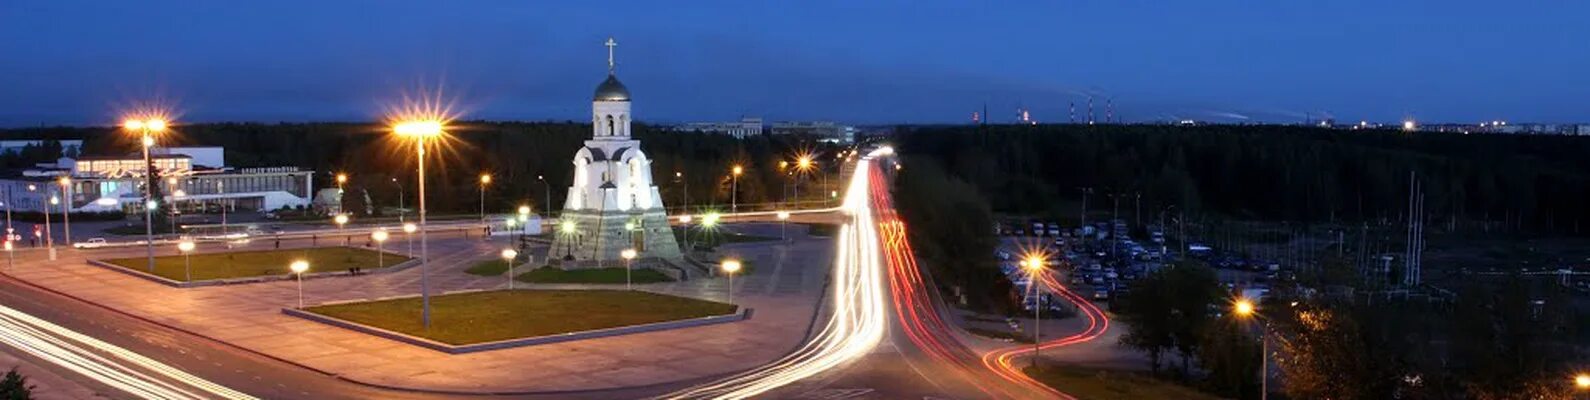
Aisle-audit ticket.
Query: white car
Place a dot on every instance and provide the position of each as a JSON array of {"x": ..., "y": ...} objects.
[{"x": 92, "y": 243}]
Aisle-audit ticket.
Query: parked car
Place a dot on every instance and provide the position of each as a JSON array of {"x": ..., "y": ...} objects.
[
  {"x": 92, "y": 243},
  {"x": 1101, "y": 294}
]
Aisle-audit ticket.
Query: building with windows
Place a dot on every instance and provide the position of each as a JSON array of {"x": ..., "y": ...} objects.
[
  {"x": 747, "y": 126},
  {"x": 825, "y": 131},
  {"x": 191, "y": 178}
]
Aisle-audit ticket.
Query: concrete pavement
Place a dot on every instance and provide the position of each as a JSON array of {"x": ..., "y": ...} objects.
[{"x": 784, "y": 292}]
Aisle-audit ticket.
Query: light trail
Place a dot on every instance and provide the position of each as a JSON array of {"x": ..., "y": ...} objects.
[
  {"x": 1002, "y": 361},
  {"x": 103, "y": 362},
  {"x": 859, "y": 317},
  {"x": 917, "y": 311}
]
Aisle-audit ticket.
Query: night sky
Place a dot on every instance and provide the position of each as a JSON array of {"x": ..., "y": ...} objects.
[{"x": 82, "y": 62}]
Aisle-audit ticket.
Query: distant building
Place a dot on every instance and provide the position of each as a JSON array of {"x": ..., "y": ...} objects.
[
  {"x": 826, "y": 131},
  {"x": 748, "y": 126},
  {"x": 192, "y": 178}
]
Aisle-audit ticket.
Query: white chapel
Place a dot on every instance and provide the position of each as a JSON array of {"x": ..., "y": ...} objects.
[{"x": 612, "y": 204}]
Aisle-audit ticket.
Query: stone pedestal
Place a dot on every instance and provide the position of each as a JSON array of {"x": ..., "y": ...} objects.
[{"x": 598, "y": 238}]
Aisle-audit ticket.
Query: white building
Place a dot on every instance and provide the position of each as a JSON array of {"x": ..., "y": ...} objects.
[
  {"x": 193, "y": 178},
  {"x": 747, "y": 126},
  {"x": 826, "y": 131},
  {"x": 612, "y": 204}
]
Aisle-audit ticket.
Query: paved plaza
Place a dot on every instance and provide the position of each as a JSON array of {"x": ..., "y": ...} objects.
[{"x": 784, "y": 292}]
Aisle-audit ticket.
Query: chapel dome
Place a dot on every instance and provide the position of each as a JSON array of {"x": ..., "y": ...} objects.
[{"x": 611, "y": 90}]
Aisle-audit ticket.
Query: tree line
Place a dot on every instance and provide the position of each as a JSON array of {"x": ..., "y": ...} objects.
[
  {"x": 531, "y": 162},
  {"x": 1534, "y": 183}
]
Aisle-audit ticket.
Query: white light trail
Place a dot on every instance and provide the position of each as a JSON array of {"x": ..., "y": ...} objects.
[
  {"x": 859, "y": 318},
  {"x": 106, "y": 363}
]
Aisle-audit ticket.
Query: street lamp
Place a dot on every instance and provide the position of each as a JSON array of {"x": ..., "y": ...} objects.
[
  {"x": 421, "y": 130},
  {"x": 298, "y": 268},
  {"x": 629, "y": 257},
  {"x": 11, "y": 261},
  {"x": 731, "y": 266},
  {"x": 485, "y": 179},
  {"x": 567, "y": 227},
  {"x": 507, "y": 258},
  {"x": 380, "y": 236},
  {"x": 548, "y": 191},
  {"x": 341, "y": 219},
  {"x": 734, "y": 190},
  {"x": 783, "y": 223},
  {"x": 408, "y": 236},
  {"x": 341, "y": 180},
  {"x": 1245, "y": 308},
  {"x": 186, "y": 247},
  {"x": 1034, "y": 264},
  {"x": 1582, "y": 381},
  {"x": 148, "y": 128},
  {"x": 66, "y": 210}
]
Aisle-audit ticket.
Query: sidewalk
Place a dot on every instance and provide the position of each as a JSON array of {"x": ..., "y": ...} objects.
[{"x": 783, "y": 292}]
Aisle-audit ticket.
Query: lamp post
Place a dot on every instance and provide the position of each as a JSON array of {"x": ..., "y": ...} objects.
[
  {"x": 186, "y": 247},
  {"x": 629, "y": 258},
  {"x": 568, "y": 227},
  {"x": 803, "y": 165},
  {"x": 731, "y": 266},
  {"x": 341, "y": 220},
  {"x": 49, "y": 237},
  {"x": 734, "y": 190},
  {"x": 420, "y": 131},
  {"x": 548, "y": 191},
  {"x": 507, "y": 258},
  {"x": 524, "y": 218},
  {"x": 380, "y": 236},
  {"x": 685, "y": 194},
  {"x": 401, "y": 210},
  {"x": 298, "y": 268},
  {"x": 408, "y": 236},
  {"x": 685, "y": 219},
  {"x": 342, "y": 179},
  {"x": 485, "y": 179},
  {"x": 1244, "y": 308},
  {"x": 11, "y": 261},
  {"x": 220, "y": 189},
  {"x": 147, "y": 128},
  {"x": 1034, "y": 265},
  {"x": 1581, "y": 382},
  {"x": 66, "y": 209},
  {"x": 783, "y": 225}
]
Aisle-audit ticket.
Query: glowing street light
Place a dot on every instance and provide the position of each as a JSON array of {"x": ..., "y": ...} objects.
[
  {"x": 710, "y": 220},
  {"x": 66, "y": 211},
  {"x": 730, "y": 267},
  {"x": 11, "y": 260},
  {"x": 1245, "y": 308},
  {"x": 1034, "y": 264},
  {"x": 299, "y": 268},
  {"x": 507, "y": 257},
  {"x": 420, "y": 131},
  {"x": 408, "y": 236},
  {"x": 783, "y": 223},
  {"x": 485, "y": 179},
  {"x": 629, "y": 257},
  {"x": 380, "y": 236},
  {"x": 1582, "y": 381},
  {"x": 341, "y": 220},
  {"x": 734, "y": 189},
  {"x": 148, "y": 128},
  {"x": 186, "y": 247},
  {"x": 342, "y": 179}
]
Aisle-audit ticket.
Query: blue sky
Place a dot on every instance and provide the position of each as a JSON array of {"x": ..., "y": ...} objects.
[{"x": 83, "y": 62}]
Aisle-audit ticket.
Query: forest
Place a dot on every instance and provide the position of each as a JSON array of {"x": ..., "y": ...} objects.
[
  {"x": 517, "y": 154},
  {"x": 1536, "y": 184}
]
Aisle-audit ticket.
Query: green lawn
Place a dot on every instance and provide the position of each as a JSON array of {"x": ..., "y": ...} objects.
[
  {"x": 243, "y": 264},
  {"x": 480, "y": 317},
  {"x": 591, "y": 275},
  {"x": 491, "y": 268},
  {"x": 1094, "y": 384}
]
